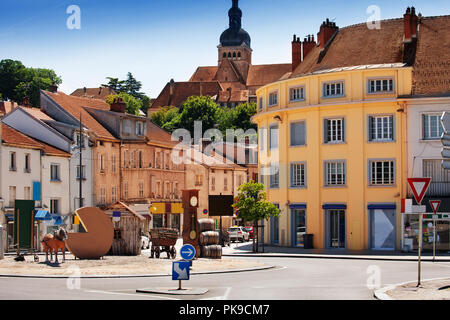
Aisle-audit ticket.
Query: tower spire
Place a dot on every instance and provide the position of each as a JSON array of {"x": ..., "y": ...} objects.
[{"x": 235, "y": 15}]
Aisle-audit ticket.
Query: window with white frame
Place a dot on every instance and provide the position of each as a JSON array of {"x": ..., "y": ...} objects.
[
  {"x": 273, "y": 98},
  {"x": 297, "y": 94},
  {"x": 274, "y": 176},
  {"x": 114, "y": 195},
  {"x": 126, "y": 126},
  {"x": 432, "y": 127},
  {"x": 298, "y": 133},
  {"x": 81, "y": 172},
  {"x": 54, "y": 172},
  {"x": 298, "y": 175},
  {"x": 273, "y": 141},
  {"x": 381, "y": 128},
  {"x": 334, "y": 130},
  {"x": 113, "y": 163},
  {"x": 382, "y": 172},
  {"x": 102, "y": 195},
  {"x": 139, "y": 128},
  {"x": 381, "y": 85},
  {"x": 333, "y": 89},
  {"x": 335, "y": 173}
]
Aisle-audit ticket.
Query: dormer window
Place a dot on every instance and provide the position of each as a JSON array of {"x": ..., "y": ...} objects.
[
  {"x": 126, "y": 127},
  {"x": 333, "y": 89},
  {"x": 139, "y": 128},
  {"x": 381, "y": 85}
]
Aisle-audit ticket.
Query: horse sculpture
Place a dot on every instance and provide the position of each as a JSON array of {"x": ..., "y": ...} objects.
[{"x": 55, "y": 242}]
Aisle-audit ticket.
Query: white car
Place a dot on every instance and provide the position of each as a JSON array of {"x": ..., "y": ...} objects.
[
  {"x": 145, "y": 242},
  {"x": 238, "y": 234}
]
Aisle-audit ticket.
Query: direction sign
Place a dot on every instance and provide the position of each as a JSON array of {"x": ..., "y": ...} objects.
[
  {"x": 435, "y": 204},
  {"x": 419, "y": 187},
  {"x": 180, "y": 270},
  {"x": 187, "y": 252}
]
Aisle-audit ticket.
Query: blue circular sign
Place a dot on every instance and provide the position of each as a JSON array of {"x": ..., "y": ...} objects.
[{"x": 187, "y": 252}]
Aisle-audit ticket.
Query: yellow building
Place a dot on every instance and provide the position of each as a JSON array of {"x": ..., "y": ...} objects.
[{"x": 331, "y": 137}]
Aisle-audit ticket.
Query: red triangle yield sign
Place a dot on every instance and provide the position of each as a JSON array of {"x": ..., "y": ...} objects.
[
  {"x": 419, "y": 187},
  {"x": 435, "y": 204}
]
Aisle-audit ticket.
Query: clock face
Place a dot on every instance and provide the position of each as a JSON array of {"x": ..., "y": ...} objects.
[{"x": 194, "y": 201}]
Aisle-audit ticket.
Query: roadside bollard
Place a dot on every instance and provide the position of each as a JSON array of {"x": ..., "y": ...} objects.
[{"x": 1, "y": 243}]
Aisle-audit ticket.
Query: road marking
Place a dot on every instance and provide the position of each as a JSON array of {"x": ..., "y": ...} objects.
[
  {"x": 224, "y": 297},
  {"x": 129, "y": 294}
]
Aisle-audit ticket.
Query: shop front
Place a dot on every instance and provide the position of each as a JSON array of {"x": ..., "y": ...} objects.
[{"x": 167, "y": 215}]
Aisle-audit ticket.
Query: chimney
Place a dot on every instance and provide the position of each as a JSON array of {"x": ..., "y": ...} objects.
[
  {"x": 296, "y": 52},
  {"x": 308, "y": 45},
  {"x": 53, "y": 88},
  {"x": 100, "y": 91},
  {"x": 25, "y": 103},
  {"x": 118, "y": 106},
  {"x": 205, "y": 143},
  {"x": 327, "y": 30},
  {"x": 410, "y": 22}
]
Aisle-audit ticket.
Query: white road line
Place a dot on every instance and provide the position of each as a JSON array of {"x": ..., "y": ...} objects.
[
  {"x": 129, "y": 294},
  {"x": 224, "y": 297}
]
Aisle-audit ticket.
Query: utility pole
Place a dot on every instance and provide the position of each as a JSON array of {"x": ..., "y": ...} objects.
[{"x": 80, "y": 145}]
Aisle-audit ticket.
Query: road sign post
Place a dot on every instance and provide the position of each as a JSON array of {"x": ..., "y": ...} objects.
[
  {"x": 180, "y": 271},
  {"x": 419, "y": 187},
  {"x": 435, "y": 204}
]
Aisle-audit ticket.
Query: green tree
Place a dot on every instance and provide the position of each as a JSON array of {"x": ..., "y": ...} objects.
[
  {"x": 167, "y": 118},
  {"x": 199, "y": 108},
  {"x": 115, "y": 84},
  {"x": 18, "y": 81},
  {"x": 133, "y": 105},
  {"x": 252, "y": 205}
]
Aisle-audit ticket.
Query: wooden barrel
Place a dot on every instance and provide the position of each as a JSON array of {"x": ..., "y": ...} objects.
[
  {"x": 208, "y": 238},
  {"x": 206, "y": 225},
  {"x": 212, "y": 252}
]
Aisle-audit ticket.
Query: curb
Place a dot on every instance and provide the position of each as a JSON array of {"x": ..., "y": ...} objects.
[
  {"x": 300, "y": 256},
  {"x": 133, "y": 276},
  {"x": 381, "y": 294}
]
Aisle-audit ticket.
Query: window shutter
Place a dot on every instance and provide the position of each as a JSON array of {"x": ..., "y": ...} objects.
[
  {"x": 344, "y": 137},
  {"x": 370, "y": 128},
  {"x": 325, "y": 131}
]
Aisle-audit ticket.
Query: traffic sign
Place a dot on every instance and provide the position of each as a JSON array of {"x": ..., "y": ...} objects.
[
  {"x": 180, "y": 270},
  {"x": 419, "y": 187},
  {"x": 187, "y": 252},
  {"x": 205, "y": 211},
  {"x": 435, "y": 204}
]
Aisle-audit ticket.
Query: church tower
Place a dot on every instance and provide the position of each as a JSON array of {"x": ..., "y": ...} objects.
[{"x": 235, "y": 42}]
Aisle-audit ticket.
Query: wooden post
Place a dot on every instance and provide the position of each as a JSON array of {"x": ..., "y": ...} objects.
[{"x": 17, "y": 226}]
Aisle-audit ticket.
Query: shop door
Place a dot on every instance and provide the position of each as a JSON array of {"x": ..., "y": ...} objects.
[
  {"x": 382, "y": 229},
  {"x": 336, "y": 229}
]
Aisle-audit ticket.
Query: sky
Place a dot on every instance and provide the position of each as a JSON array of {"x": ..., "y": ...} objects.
[{"x": 161, "y": 40}]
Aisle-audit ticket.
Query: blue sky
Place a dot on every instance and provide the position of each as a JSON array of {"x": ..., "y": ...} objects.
[{"x": 160, "y": 40}]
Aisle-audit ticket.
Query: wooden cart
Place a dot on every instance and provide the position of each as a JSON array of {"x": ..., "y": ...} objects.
[{"x": 163, "y": 240}]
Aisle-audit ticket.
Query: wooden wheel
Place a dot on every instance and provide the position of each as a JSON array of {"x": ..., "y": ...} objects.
[
  {"x": 158, "y": 252},
  {"x": 152, "y": 255},
  {"x": 174, "y": 253}
]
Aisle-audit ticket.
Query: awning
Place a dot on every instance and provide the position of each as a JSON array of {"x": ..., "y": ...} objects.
[
  {"x": 57, "y": 221},
  {"x": 382, "y": 206},
  {"x": 163, "y": 208},
  {"x": 297, "y": 206},
  {"x": 42, "y": 215},
  {"x": 334, "y": 206}
]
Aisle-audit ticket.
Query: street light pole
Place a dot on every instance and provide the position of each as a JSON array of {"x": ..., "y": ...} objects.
[{"x": 80, "y": 145}]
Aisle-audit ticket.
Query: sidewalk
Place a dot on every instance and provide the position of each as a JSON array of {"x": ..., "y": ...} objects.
[
  {"x": 435, "y": 289},
  {"x": 245, "y": 250}
]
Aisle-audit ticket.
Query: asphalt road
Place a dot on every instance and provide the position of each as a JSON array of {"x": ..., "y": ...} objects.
[{"x": 292, "y": 279}]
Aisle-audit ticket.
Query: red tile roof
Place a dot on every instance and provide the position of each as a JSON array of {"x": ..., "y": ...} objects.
[
  {"x": 75, "y": 106},
  {"x": 94, "y": 93}
]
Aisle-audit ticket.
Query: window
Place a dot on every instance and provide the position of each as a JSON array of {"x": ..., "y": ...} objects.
[
  {"x": 81, "y": 174},
  {"x": 175, "y": 190},
  {"x": 132, "y": 159},
  {"x": 213, "y": 183},
  {"x": 297, "y": 94},
  {"x": 382, "y": 173},
  {"x": 334, "y": 130},
  {"x": 125, "y": 190},
  {"x": 12, "y": 163},
  {"x": 102, "y": 195},
  {"x": 27, "y": 168},
  {"x": 440, "y": 178},
  {"x": 80, "y": 140},
  {"x": 261, "y": 103},
  {"x": 298, "y": 175},
  {"x": 225, "y": 184},
  {"x": 262, "y": 138},
  {"x": 101, "y": 163},
  {"x": 158, "y": 189},
  {"x": 140, "y": 160},
  {"x": 261, "y": 176},
  {"x": 125, "y": 159},
  {"x": 381, "y": 85},
  {"x": 141, "y": 189},
  {"x": 54, "y": 205},
  {"x": 139, "y": 128},
  {"x": 273, "y": 143},
  {"x": 298, "y": 134},
  {"x": 114, "y": 195},
  {"x": 54, "y": 172},
  {"x": 198, "y": 180},
  {"x": 27, "y": 193},
  {"x": 381, "y": 128},
  {"x": 274, "y": 177},
  {"x": 127, "y": 127},
  {"x": 333, "y": 89},
  {"x": 335, "y": 173},
  {"x": 432, "y": 127},
  {"x": 12, "y": 195},
  {"x": 273, "y": 99},
  {"x": 113, "y": 163},
  {"x": 239, "y": 180}
]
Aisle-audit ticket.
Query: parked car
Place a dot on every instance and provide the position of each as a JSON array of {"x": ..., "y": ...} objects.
[
  {"x": 238, "y": 234},
  {"x": 145, "y": 242},
  {"x": 249, "y": 230}
]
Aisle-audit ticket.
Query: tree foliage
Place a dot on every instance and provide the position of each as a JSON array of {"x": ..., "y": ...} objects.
[
  {"x": 133, "y": 105},
  {"x": 18, "y": 81},
  {"x": 252, "y": 204},
  {"x": 166, "y": 118}
]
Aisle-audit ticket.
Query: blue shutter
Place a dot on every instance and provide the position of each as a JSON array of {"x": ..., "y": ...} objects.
[{"x": 36, "y": 191}]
